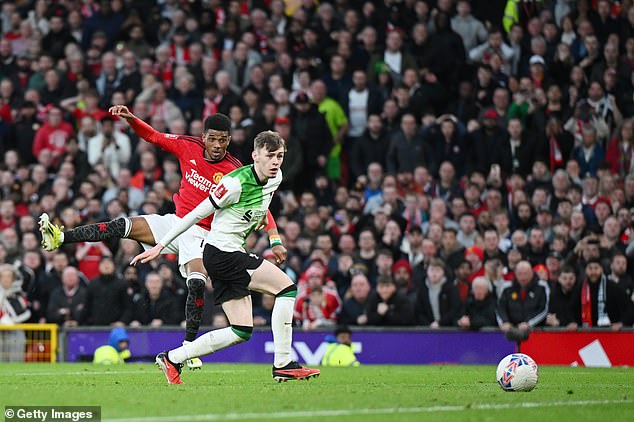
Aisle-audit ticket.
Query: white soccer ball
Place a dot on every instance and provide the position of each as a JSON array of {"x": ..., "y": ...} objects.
[{"x": 517, "y": 372}]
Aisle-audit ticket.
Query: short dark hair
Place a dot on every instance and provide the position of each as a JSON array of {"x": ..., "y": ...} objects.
[
  {"x": 567, "y": 269},
  {"x": 450, "y": 230},
  {"x": 385, "y": 279},
  {"x": 271, "y": 141},
  {"x": 594, "y": 261},
  {"x": 342, "y": 329},
  {"x": 218, "y": 122},
  {"x": 416, "y": 229}
]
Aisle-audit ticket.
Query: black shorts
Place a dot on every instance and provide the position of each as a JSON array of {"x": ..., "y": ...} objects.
[{"x": 229, "y": 272}]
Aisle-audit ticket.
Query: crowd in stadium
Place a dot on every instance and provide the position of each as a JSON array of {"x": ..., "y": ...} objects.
[{"x": 450, "y": 163}]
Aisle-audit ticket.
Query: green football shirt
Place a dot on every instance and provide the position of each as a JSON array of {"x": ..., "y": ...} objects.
[{"x": 242, "y": 202}]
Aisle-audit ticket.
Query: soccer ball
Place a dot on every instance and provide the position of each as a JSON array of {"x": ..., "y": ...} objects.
[{"x": 517, "y": 372}]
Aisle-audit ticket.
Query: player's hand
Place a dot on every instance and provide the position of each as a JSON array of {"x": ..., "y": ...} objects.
[
  {"x": 148, "y": 255},
  {"x": 262, "y": 224},
  {"x": 121, "y": 111},
  {"x": 280, "y": 253}
]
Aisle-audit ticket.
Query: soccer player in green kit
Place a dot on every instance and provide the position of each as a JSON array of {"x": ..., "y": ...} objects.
[{"x": 240, "y": 203}]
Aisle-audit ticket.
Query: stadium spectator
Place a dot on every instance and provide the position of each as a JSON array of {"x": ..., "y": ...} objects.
[
  {"x": 407, "y": 148},
  {"x": 480, "y": 307},
  {"x": 603, "y": 303},
  {"x": 13, "y": 310},
  {"x": 354, "y": 310},
  {"x": 107, "y": 301},
  {"x": 523, "y": 305},
  {"x": 387, "y": 306},
  {"x": 67, "y": 305},
  {"x": 155, "y": 306},
  {"x": 461, "y": 273},
  {"x": 564, "y": 301},
  {"x": 437, "y": 301},
  {"x": 590, "y": 153},
  {"x": 110, "y": 148},
  {"x": 53, "y": 135}
]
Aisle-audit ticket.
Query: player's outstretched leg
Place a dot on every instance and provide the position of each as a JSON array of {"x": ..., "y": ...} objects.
[
  {"x": 194, "y": 311},
  {"x": 269, "y": 278},
  {"x": 53, "y": 235},
  {"x": 238, "y": 311},
  {"x": 282, "y": 326}
]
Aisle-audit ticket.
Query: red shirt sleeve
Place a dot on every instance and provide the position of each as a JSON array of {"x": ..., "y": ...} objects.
[
  {"x": 165, "y": 141},
  {"x": 270, "y": 222},
  {"x": 40, "y": 142}
]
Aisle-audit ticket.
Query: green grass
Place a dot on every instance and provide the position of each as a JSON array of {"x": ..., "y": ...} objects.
[{"x": 368, "y": 393}]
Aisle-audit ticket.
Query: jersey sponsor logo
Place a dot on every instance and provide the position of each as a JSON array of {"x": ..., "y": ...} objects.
[
  {"x": 217, "y": 176},
  {"x": 199, "y": 181},
  {"x": 220, "y": 191},
  {"x": 247, "y": 215}
]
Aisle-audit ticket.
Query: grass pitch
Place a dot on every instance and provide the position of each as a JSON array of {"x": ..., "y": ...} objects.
[{"x": 138, "y": 393}]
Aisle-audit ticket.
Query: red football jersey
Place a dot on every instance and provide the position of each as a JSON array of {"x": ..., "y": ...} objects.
[{"x": 200, "y": 176}]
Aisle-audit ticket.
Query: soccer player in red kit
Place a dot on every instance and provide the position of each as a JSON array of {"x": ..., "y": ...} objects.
[{"x": 203, "y": 162}]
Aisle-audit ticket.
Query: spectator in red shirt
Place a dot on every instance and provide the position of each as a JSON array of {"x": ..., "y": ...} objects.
[
  {"x": 317, "y": 305},
  {"x": 86, "y": 106},
  {"x": 53, "y": 135},
  {"x": 149, "y": 173},
  {"x": 475, "y": 255},
  {"x": 620, "y": 150}
]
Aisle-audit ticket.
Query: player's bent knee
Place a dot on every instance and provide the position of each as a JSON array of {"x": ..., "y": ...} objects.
[
  {"x": 244, "y": 332},
  {"x": 196, "y": 281},
  {"x": 290, "y": 291}
]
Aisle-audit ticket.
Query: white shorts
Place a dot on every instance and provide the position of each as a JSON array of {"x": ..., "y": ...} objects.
[{"x": 188, "y": 246}]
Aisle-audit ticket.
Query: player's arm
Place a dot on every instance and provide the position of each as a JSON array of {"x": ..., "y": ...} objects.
[
  {"x": 278, "y": 249},
  {"x": 165, "y": 141},
  {"x": 227, "y": 193}
]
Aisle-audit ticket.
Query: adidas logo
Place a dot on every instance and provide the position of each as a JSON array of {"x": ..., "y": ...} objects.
[{"x": 193, "y": 162}]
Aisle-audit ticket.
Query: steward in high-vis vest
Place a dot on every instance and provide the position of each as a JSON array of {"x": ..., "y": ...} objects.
[
  {"x": 116, "y": 351},
  {"x": 339, "y": 352},
  {"x": 519, "y": 12}
]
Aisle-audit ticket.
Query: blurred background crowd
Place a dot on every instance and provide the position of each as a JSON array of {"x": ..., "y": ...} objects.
[{"x": 450, "y": 163}]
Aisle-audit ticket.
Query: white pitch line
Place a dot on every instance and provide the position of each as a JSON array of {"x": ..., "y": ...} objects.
[
  {"x": 26, "y": 374},
  {"x": 353, "y": 412}
]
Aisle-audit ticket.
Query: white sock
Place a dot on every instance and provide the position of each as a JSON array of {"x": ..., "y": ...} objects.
[
  {"x": 207, "y": 343},
  {"x": 282, "y": 327}
]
